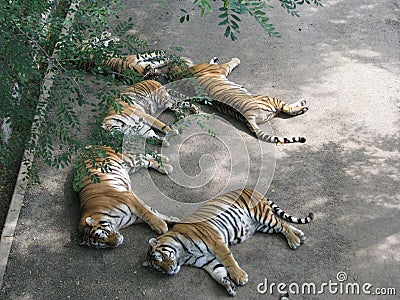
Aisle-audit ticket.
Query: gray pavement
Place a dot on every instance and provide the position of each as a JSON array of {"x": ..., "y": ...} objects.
[{"x": 344, "y": 59}]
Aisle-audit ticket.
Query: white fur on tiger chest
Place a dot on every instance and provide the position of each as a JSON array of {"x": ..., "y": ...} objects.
[
  {"x": 197, "y": 258},
  {"x": 126, "y": 216},
  {"x": 196, "y": 252}
]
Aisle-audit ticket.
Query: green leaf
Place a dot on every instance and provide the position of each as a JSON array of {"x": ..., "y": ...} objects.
[
  {"x": 234, "y": 25},
  {"x": 227, "y": 31},
  {"x": 236, "y": 18},
  {"x": 259, "y": 13}
]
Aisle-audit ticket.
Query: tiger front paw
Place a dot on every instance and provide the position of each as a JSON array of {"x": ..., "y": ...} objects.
[
  {"x": 239, "y": 276},
  {"x": 158, "y": 226}
]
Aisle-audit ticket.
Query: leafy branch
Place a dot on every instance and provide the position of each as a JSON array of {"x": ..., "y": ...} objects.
[{"x": 231, "y": 9}]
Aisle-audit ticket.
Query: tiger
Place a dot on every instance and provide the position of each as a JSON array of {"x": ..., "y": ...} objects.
[
  {"x": 147, "y": 64},
  {"x": 110, "y": 205},
  {"x": 139, "y": 103},
  {"x": 234, "y": 100},
  {"x": 202, "y": 238}
]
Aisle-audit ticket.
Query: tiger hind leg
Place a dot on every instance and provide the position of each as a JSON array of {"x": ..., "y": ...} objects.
[
  {"x": 294, "y": 237},
  {"x": 219, "y": 273},
  {"x": 273, "y": 224}
]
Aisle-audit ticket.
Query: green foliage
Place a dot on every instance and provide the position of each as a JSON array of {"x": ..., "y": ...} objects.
[
  {"x": 31, "y": 46},
  {"x": 230, "y": 10}
]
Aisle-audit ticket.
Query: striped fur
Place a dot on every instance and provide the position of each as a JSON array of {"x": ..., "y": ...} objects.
[
  {"x": 235, "y": 101},
  {"x": 202, "y": 238},
  {"x": 110, "y": 205},
  {"x": 139, "y": 104},
  {"x": 147, "y": 65}
]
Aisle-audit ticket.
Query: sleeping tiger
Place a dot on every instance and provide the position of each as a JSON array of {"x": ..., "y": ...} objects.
[
  {"x": 110, "y": 205},
  {"x": 202, "y": 238},
  {"x": 139, "y": 103},
  {"x": 234, "y": 100},
  {"x": 147, "y": 65}
]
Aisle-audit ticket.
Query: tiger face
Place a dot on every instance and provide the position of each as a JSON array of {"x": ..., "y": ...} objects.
[
  {"x": 162, "y": 258},
  {"x": 99, "y": 234}
]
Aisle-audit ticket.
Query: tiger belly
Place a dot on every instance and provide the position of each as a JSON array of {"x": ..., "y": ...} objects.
[{"x": 245, "y": 228}]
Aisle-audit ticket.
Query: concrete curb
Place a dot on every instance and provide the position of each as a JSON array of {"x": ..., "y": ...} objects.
[{"x": 17, "y": 199}]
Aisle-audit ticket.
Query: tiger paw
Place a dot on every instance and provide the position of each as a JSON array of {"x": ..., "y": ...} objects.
[
  {"x": 164, "y": 142},
  {"x": 236, "y": 60},
  {"x": 295, "y": 237},
  {"x": 159, "y": 226},
  {"x": 239, "y": 276},
  {"x": 229, "y": 286},
  {"x": 173, "y": 131},
  {"x": 214, "y": 60},
  {"x": 300, "y": 107},
  {"x": 166, "y": 168},
  {"x": 163, "y": 158}
]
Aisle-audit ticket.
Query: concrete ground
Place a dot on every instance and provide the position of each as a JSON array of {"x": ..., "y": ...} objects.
[{"x": 344, "y": 59}]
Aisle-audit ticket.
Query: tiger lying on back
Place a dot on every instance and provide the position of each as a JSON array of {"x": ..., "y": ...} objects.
[
  {"x": 234, "y": 100},
  {"x": 110, "y": 205},
  {"x": 137, "y": 116},
  {"x": 202, "y": 238}
]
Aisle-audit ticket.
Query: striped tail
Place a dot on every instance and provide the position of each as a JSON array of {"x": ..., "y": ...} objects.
[
  {"x": 263, "y": 136},
  {"x": 282, "y": 214}
]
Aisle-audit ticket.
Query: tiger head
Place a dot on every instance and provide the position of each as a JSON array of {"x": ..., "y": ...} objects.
[
  {"x": 163, "y": 257},
  {"x": 99, "y": 234}
]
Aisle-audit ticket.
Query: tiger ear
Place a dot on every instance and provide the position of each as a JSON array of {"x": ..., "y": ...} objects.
[
  {"x": 153, "y": 242},
  {"x": 89, "y": 221}
]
